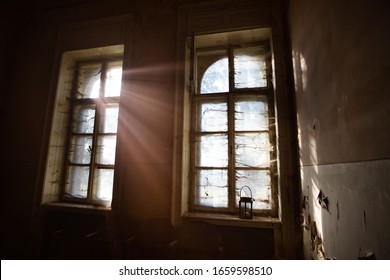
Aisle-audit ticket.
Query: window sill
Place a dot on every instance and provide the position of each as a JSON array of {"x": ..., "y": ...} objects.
[
  {"x": 228, "y": 220},
  {"x": 75, "y": 207}
]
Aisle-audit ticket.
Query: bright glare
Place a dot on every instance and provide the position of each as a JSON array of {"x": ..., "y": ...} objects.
[
  {"x": 113, "y": 82},
  {"x": 95, "y": 89}
]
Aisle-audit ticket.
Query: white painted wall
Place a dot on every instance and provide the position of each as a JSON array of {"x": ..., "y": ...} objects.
[{"x": 357, "y": 216}]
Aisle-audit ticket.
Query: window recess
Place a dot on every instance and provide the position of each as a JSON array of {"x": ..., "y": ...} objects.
[{"x": 81, "y": 155}]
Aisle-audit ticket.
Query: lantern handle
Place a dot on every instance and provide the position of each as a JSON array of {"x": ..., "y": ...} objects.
[{"x": 248, "y": 189}]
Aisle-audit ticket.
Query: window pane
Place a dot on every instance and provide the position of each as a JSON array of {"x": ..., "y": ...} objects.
[
  {"x": 212, "y": 151},
  {"x": 80, "y": 149},
  {"x": 212, "y": 116},
  {"x": 109, "y": 122},
  {"x": 105, "y": 153},
  {"x": 88, "y": 85},
  {"x": 114, "y": 79},
  {"x": 83, "y": 119},
  {"x": 211, "y": 188},
  {"x": 251, "y": 115},
  {"x": 77, "y": 182},
  {"x": 104, "y": 180},
  {"x": 250, "y": 68},
  {"x": 216, "y": 77},
  {"x": 259, "y": 181},
  {"x": 252, "y": 150}
]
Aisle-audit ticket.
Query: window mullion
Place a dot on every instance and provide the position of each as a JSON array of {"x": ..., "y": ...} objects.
[
  {"x": 93, "y": 153},
  {"x": 231, "y": 128}
]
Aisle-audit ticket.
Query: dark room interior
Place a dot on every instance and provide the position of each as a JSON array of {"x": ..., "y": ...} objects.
[{"x": 183, "y": 129}]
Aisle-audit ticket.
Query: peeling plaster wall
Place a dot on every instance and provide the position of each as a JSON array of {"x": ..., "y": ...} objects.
[{"x": 341, "y": 70}]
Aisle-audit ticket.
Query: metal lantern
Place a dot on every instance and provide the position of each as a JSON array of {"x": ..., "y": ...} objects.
[{"x": 245, "y": 205}]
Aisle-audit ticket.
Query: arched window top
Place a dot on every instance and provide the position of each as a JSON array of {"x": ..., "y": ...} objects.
[
  {"x": 216, "y": 78},
  {"x": 249, "y": 72},
  {"x": 89, "y": 80}
]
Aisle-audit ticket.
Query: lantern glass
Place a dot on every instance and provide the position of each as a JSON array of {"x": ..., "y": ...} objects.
[{"x": 246, "y": 208}]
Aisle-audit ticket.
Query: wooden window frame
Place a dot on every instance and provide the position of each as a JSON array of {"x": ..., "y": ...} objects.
[
  {"x": 99, "y": 104},
  {"x": 230, "y": 98}
]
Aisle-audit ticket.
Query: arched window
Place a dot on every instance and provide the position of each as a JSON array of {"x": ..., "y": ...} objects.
[
  {"x": 249, "y": 73},
  {"x": 233, "y": 136}
]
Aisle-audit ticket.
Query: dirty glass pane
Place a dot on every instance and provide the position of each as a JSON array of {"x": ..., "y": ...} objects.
[
  {"x": 212, "y": 150},
  {"x": 212, "y": 116},
  {"x": 216, "y": 77},
  {"x": 211, "y": 188},
  {"x": 83, "y": 119},
  {"x": 77, "y": 182},
  {"x": 252, "y": 150},
  {"x": 104, "y": 180},
  {"x": 88, "y": 84},
  {"x": 249, "y": 68},
  {"x": 80, "y": 149},
  {"x": 114, "y": 79},
  {"x": 109, "y": 123},
  {"x": 251, "y": 115},
  {"x": 105, "y": 152},
  {"x": 259, "y": 181}
]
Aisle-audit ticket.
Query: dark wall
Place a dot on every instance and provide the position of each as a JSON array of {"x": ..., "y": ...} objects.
[
  {"x": 19, "y": 160},
  {"x": 145, "y": 142}
]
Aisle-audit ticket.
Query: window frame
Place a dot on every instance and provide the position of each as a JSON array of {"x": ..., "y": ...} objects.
[
  {"x": 61, "y": 122},
  {"x": 99, "y": 103},
  {"x": 230, "y": 97}
]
